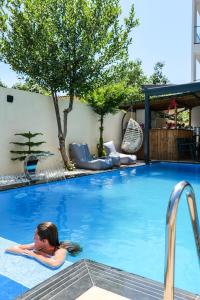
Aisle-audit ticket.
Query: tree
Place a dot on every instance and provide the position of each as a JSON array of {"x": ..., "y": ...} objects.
[
  {"x": 105, "y": 100},
  {"x": 158, "y": 77},
  {"x": 135, "y": 78},
  {"x": 2, "y": 84},
  {"x": 65, "y": 45},
  {"x": 131, "y": 72},
  {"x": 132, "y": 75},
  {"x": 31, "y": 86}
]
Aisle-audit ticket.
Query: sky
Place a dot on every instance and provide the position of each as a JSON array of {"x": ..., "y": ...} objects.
[{"x": 164, "y": 35}]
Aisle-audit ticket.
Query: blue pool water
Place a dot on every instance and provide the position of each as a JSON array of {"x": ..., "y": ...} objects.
[
  {"x": 10, "y": 289},
  {"x": 118, "y": 217}
]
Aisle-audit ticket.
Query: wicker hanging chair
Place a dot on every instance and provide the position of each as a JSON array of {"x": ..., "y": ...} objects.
[{"x": 133, "y": 137}]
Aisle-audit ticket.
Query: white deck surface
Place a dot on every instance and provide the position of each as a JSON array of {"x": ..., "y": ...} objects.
[{"x": 96, "y": 293}]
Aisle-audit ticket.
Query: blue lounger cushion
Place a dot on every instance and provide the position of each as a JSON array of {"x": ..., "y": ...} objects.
[{"x": 82, "y": 158}]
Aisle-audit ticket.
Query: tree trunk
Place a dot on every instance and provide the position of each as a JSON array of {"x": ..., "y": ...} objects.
[
  {"x": 67, "y": 111},
  {"x": 100, "y": 146},
  {"x": 61, "y": 136}
]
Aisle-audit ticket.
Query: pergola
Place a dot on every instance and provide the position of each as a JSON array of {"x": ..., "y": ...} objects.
[{"x": 186, "y": 95}]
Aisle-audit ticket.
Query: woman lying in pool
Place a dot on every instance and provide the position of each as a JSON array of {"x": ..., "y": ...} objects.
[{"x": 46, "y": 247}]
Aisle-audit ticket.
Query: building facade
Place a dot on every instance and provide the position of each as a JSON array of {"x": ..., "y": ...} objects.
[{"x": 195, "y": 40}]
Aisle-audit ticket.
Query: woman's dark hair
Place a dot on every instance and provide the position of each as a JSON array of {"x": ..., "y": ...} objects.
[
  {"x": 49, "y": 231},
  {"x": 72, "y": 248}
]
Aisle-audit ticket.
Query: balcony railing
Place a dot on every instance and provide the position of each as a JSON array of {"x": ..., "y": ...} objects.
[{"x": 196, "y": 34}]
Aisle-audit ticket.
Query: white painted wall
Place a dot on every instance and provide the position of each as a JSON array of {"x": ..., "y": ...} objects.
[
  {"x": 195, "y": 120},
  {"x": 35, "y": 113},
  {"x": 140, "y": 116}
]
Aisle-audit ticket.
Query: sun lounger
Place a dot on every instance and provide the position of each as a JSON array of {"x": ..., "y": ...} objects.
[
  {"x": 82, "y": 158},
  {"x": 125, "y": 159}
]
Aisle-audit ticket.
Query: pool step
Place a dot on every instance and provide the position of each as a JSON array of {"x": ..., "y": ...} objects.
[
  {"x": 75, "y": 280},
  {"x": 24, "y": 270}
]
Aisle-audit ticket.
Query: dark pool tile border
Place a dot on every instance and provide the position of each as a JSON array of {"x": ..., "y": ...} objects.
[
  {"x": 72, "y": 276},
  {"x": 76, "y": 279}
]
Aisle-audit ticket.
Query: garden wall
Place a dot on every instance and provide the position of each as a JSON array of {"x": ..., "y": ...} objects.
[
  {"x": 195, "y": 122},
  {"x": 35, "y": 113}
]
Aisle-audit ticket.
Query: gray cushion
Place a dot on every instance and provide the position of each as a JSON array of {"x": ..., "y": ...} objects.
[
  {"x": 115, "y": 160},
  {"x": 125, "y": 159},
  {"x": 110, "y": 148},
  {"x": 82, "y": 158},
  {"x": 80, "y": 152}
]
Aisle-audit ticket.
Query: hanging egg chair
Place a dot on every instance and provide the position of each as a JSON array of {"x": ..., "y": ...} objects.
[{"x": 133, "y": 137}]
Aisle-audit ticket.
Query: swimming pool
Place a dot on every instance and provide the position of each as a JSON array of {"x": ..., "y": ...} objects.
[{"x": 118, "y": 217}]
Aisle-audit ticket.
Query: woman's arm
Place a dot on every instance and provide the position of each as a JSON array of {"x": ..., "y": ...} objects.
[
  {"x": 53, "y": 262},
  {"x": 19, "y": 249}
]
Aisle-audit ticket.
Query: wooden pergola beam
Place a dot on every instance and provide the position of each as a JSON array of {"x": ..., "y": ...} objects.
[
  {"x": 171, "y": 89},
  {"x": 196, "y": 96}
]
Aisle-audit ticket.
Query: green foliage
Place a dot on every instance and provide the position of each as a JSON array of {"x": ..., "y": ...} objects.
[
  {"x": 29, "y": 144},
  {"x": 105, "y": 100},
  {"x": 133, "y": 77},
  {"x": 158, "y": 77},
  {"x": 183, "y": 117},
  {"x": 29, "y": 135},
  {"x": 126, "y": 80},
  {"x": 2, "y": 84},
  {"x": 71, "y": 166},
  {"x": 31, "y": 86},
  {"x": 3, "y": 16},
  {"x": 65, "y": 46},
  {"x": 132, "y": 73}
]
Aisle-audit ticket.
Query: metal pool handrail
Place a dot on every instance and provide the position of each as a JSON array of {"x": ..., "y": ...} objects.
[{"x": 171, "y": 232}]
